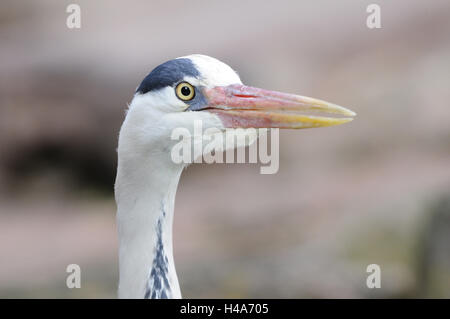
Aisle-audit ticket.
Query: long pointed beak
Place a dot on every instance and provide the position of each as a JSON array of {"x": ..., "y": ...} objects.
[{"x": 244, "y": 106}]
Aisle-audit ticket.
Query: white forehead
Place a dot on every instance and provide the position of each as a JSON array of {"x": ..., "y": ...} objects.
[{"x": 213, "y": 72}]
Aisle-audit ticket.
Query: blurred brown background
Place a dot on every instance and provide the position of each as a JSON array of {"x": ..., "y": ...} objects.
[{"x": 373, "y": 191}]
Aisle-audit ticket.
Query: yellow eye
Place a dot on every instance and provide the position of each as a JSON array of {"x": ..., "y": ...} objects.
[{"x": 185, "y": 91}]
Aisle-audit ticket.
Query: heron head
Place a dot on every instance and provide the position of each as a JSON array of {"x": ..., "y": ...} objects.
[{"x": 186, "y": 90}]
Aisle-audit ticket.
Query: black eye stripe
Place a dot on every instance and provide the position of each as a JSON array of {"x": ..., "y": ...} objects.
[{"x": 168, "y": 74}]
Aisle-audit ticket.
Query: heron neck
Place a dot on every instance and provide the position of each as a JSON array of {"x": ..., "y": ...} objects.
[{"x": 145, "y": 195}]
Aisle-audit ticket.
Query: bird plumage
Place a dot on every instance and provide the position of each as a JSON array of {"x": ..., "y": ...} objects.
[{"x": 147, "y": 177}]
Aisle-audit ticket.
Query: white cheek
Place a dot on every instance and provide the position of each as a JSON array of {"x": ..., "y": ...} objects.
[
  {"x": 162, "y": 101},
  {"x": 207, "y": 129},
  {"x": 167, "y": 101},
  {"x": 195, "y": 122}
]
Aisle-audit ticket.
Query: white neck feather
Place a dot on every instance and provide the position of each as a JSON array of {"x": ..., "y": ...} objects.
[
  {"x": 147, "y": 180},
  {"x": 145, "y": 195}
]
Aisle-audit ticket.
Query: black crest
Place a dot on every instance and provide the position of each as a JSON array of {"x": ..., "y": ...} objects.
[{"x": 168, "y": 74}]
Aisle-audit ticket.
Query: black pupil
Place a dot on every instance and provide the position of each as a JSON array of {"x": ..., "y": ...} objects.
[{"x": 185, "y": 90}]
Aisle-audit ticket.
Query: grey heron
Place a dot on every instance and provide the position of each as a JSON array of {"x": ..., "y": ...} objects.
[{"x": 175, "y": 94}]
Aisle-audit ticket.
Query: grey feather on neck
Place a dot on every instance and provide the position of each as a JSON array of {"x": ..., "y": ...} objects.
[{"x": 158, "y": 286}]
